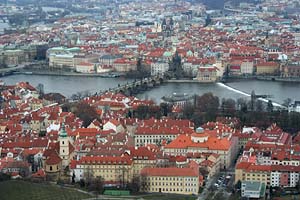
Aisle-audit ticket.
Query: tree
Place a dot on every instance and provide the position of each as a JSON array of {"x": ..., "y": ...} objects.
[
  {"x": 287, "y": 102},
  {"x": 228, "y": 106},
  {"x": 73, "y": 178},
  {"x": 270, "y": 106},
  {"x": 141, "y": 111},
  {"x": 97, "y": 185},
  {"x": 165, "y": 109},
  {"x": 242, "y": 104},
  {"x": 253, "y": 99},
  {"x": 85, "y": 112},
  {"x": 238, "y": 185},
  {"x": 188, "y": 110},
  {"x": 135, "y": 184},
  {"x": 298, "y": 186},
  {"x": 208, "y": 104},
  {"x": 259, "y": 106}
]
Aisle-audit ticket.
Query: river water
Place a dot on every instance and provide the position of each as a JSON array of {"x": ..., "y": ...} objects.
[{"x": 68, "y": 85}]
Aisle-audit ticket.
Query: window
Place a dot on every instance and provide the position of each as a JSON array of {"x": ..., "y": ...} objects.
[{"x": 50, "y": 168}]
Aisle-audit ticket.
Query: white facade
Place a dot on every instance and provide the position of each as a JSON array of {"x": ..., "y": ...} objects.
[
  {"x": 159, "y": 68},
  {"x": 85, "y": 68},
  {"x": 247, "y": 67},
  {"x": 275, "y": 179},
  {"x": 142, "y": 139},
  {"x": 111, "y": 126},
  {"x": 61, "y": 60}
]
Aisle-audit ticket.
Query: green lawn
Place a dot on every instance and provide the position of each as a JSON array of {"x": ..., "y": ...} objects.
[
  {"x": 21, "y": 190},
  {"x": 168, "y": 197}
]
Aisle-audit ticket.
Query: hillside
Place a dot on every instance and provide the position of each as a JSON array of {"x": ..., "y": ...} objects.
[{"x": 20, "y": 190}]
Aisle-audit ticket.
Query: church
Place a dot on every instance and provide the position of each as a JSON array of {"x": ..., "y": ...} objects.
[{"x": 58, "y": 155}]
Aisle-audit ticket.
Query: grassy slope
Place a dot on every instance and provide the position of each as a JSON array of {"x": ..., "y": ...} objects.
[{"x": 19, "y": 190}]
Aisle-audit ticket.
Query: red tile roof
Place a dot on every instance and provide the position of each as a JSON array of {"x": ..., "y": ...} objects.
[{"x": 170, "y": 171}]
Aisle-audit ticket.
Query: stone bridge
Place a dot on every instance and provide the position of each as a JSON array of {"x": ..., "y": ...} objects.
[{"x": 137, "y": 86}]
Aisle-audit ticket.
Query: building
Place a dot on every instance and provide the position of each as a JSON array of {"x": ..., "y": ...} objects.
[
  {"x": 203, "y": 142},
  {"x": 61, "y": 57},
  {"x": 66, "y": 149},
  {"x": 14, "y": 57},
  {"x": 116, "y": 170},
  {"x": 247, "y": 67},
  {"x": 235, "y": 67},
  {"x": 273, "y": 165},
  {"x": 155, "y": 131},
  {"x": 291, "y": 71},
  {"x": 109, "y": 59},
  {"x": 159, "y": 68},
  {"x": 61, "y": 61},
  {"x": 114, "y": 125},
  {"x": 57, "y": 157},
  {"x": 124, "y": 65},
  {"x": 253, "y": 190},
  {"x": 171, "y": 180},
  {"x": 267, "y": 68},
  {"x": 85, "y": 67},
  {"x": 207, "y": 74}
]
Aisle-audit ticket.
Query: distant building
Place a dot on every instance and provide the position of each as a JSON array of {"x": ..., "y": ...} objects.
[
  {"x": 159, "y": 68},
  {"x": 61, "y": 61},
  {"x": 207, "y": 74},
  {"x": 61, "y": 57},
  {"x": 85, "y": 67},
  {"x": 267, "y": 68},
  {"x": 247, "y": 67},
  {"x": 178, "y": 99},
  {"x": 291, "y": 71}
]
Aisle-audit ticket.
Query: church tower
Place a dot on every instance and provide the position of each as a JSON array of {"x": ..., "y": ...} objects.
[{"x": 64, "y": 146}]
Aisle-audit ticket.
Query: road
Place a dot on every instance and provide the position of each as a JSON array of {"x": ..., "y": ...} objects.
[
  {"x": 205, "y": 191},
  {"x": 9, "y": 69},
  {"x": 212, "y": 181}
]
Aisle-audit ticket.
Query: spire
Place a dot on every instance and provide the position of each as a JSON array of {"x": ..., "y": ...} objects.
[{"x": 62, "y": 132}]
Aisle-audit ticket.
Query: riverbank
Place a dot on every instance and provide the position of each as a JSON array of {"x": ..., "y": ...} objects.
[
  {"x": 265, "y": 78},
  {"x": 63, "y": 73},
  {"x": 182, "y": 81}
]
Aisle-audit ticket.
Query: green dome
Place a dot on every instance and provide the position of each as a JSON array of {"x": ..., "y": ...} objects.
[{"x": 62, "y": 132}]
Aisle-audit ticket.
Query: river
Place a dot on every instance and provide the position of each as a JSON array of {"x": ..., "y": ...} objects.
[{"x": 69, "y": 85}]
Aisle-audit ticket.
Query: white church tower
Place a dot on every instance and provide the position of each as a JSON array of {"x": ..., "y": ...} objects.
[{"x": 64, "y": 146}]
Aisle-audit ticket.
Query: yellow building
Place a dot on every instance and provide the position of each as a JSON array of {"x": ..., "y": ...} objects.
[
  {"x": 246, "y": 171},
  {"x": 111, "y": 169},
  {"x": 115, "y": 169},
  {"x": 267, "y": 68},
  {"x": 170, "y": 180},
  {"x": 61, "y": 60}
]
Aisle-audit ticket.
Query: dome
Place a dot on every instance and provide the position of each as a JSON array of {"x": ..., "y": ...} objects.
[{"x": 62, "y": 132}]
